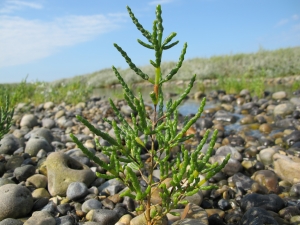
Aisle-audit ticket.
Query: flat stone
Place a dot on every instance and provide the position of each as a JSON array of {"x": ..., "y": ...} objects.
[{"x": 286, "y": 168}]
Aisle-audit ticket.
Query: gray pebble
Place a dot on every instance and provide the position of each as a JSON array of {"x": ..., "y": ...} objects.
[
  {"x": 77, "y": 190},
  {"x": 103, "y": 216},
  {"x": 65, "y": 220},
  {"x": 10, "y": 221},
  {"x": 29, "y": 120},
  {"x": 91, "y": 204},
  {"x": 35, "y": 144},
  {"x": 41, "y": 218},
  {"x": 112, "y": 186},
  {"x": 9, "y": 144},
  {"x": 15, "y": 201},
  {"x": 4, "y": 181},
  {"x": 23, "y": 172}
]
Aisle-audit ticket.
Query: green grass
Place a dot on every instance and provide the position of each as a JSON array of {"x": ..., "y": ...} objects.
[
  {"x": 233, "y": 72},
  {"x": 277, "y": 63},
  {"x": 40, "y": 92}
]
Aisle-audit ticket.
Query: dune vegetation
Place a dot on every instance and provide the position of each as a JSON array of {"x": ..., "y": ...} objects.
[{"x": 231, "y": 73}]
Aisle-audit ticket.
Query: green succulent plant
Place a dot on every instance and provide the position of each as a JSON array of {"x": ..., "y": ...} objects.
[
  {"x": 160, "y": 130},
  {"x": 6, "y": 114}
]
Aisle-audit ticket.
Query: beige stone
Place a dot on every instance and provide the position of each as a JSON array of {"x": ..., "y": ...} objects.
[
  {"x": 63, "y": 170},
  {"x": 286, "y": 168}
]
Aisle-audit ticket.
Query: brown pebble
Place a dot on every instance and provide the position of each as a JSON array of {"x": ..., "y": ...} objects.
[{"x": 80, "y": 213}]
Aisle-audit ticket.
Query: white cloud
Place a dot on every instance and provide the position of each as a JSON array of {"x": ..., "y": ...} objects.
[
  {"x": 10, "y": 6},
  {"x": 23, "y": 41},
  {"x": 282, "y": 22},
  {"x": 285, "y": 21},
  {"x": 160, "y": 2},
  {"x": 295, "y": 17}
]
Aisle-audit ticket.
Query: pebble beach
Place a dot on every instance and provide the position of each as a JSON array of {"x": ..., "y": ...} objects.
[{"x": 45, "y": 179}]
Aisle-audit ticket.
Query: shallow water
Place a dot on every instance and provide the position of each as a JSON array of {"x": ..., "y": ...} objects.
[{"x": 190, "y": 106}]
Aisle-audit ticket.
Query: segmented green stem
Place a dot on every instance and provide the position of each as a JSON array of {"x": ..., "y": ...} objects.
[
  {"x": 178, "y": 65},
  {"x": 131, "y": 64},
  {"x": 139, "y": 26}
]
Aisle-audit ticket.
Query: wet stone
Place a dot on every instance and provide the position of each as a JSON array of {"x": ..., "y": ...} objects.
[
  {"x": 292, "y": 138},
  {"x": 234, "y": 154},
  {"x": 268, "y": 179},
  {"x": 242, "y": 181},
  {"x": 224, "y": 204},
  {"x": 204, "y": 123},
  {"x": 288, "y": 212},
  {"x": 225, "y": 116},
  {"x": 257, "y": 215},
  {"x": 270, "y": 202},
  {"x": 295, "y": 190}
]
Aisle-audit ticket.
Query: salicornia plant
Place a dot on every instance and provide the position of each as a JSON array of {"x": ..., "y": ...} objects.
[
  {"x": 6, "y": 114},
  {"x": 179, "y": 176}
]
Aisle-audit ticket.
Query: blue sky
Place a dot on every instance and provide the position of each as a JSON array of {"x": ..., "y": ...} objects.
[{"x": 52, "y": 39}]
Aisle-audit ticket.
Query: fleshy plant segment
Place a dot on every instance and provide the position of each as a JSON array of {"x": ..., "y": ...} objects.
[
  {"x": 179, "y": 175},
  {"x": 6, "y": 115}
]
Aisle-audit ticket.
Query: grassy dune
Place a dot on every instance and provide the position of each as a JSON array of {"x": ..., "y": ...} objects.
[{"x": 231, "y": 71}]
